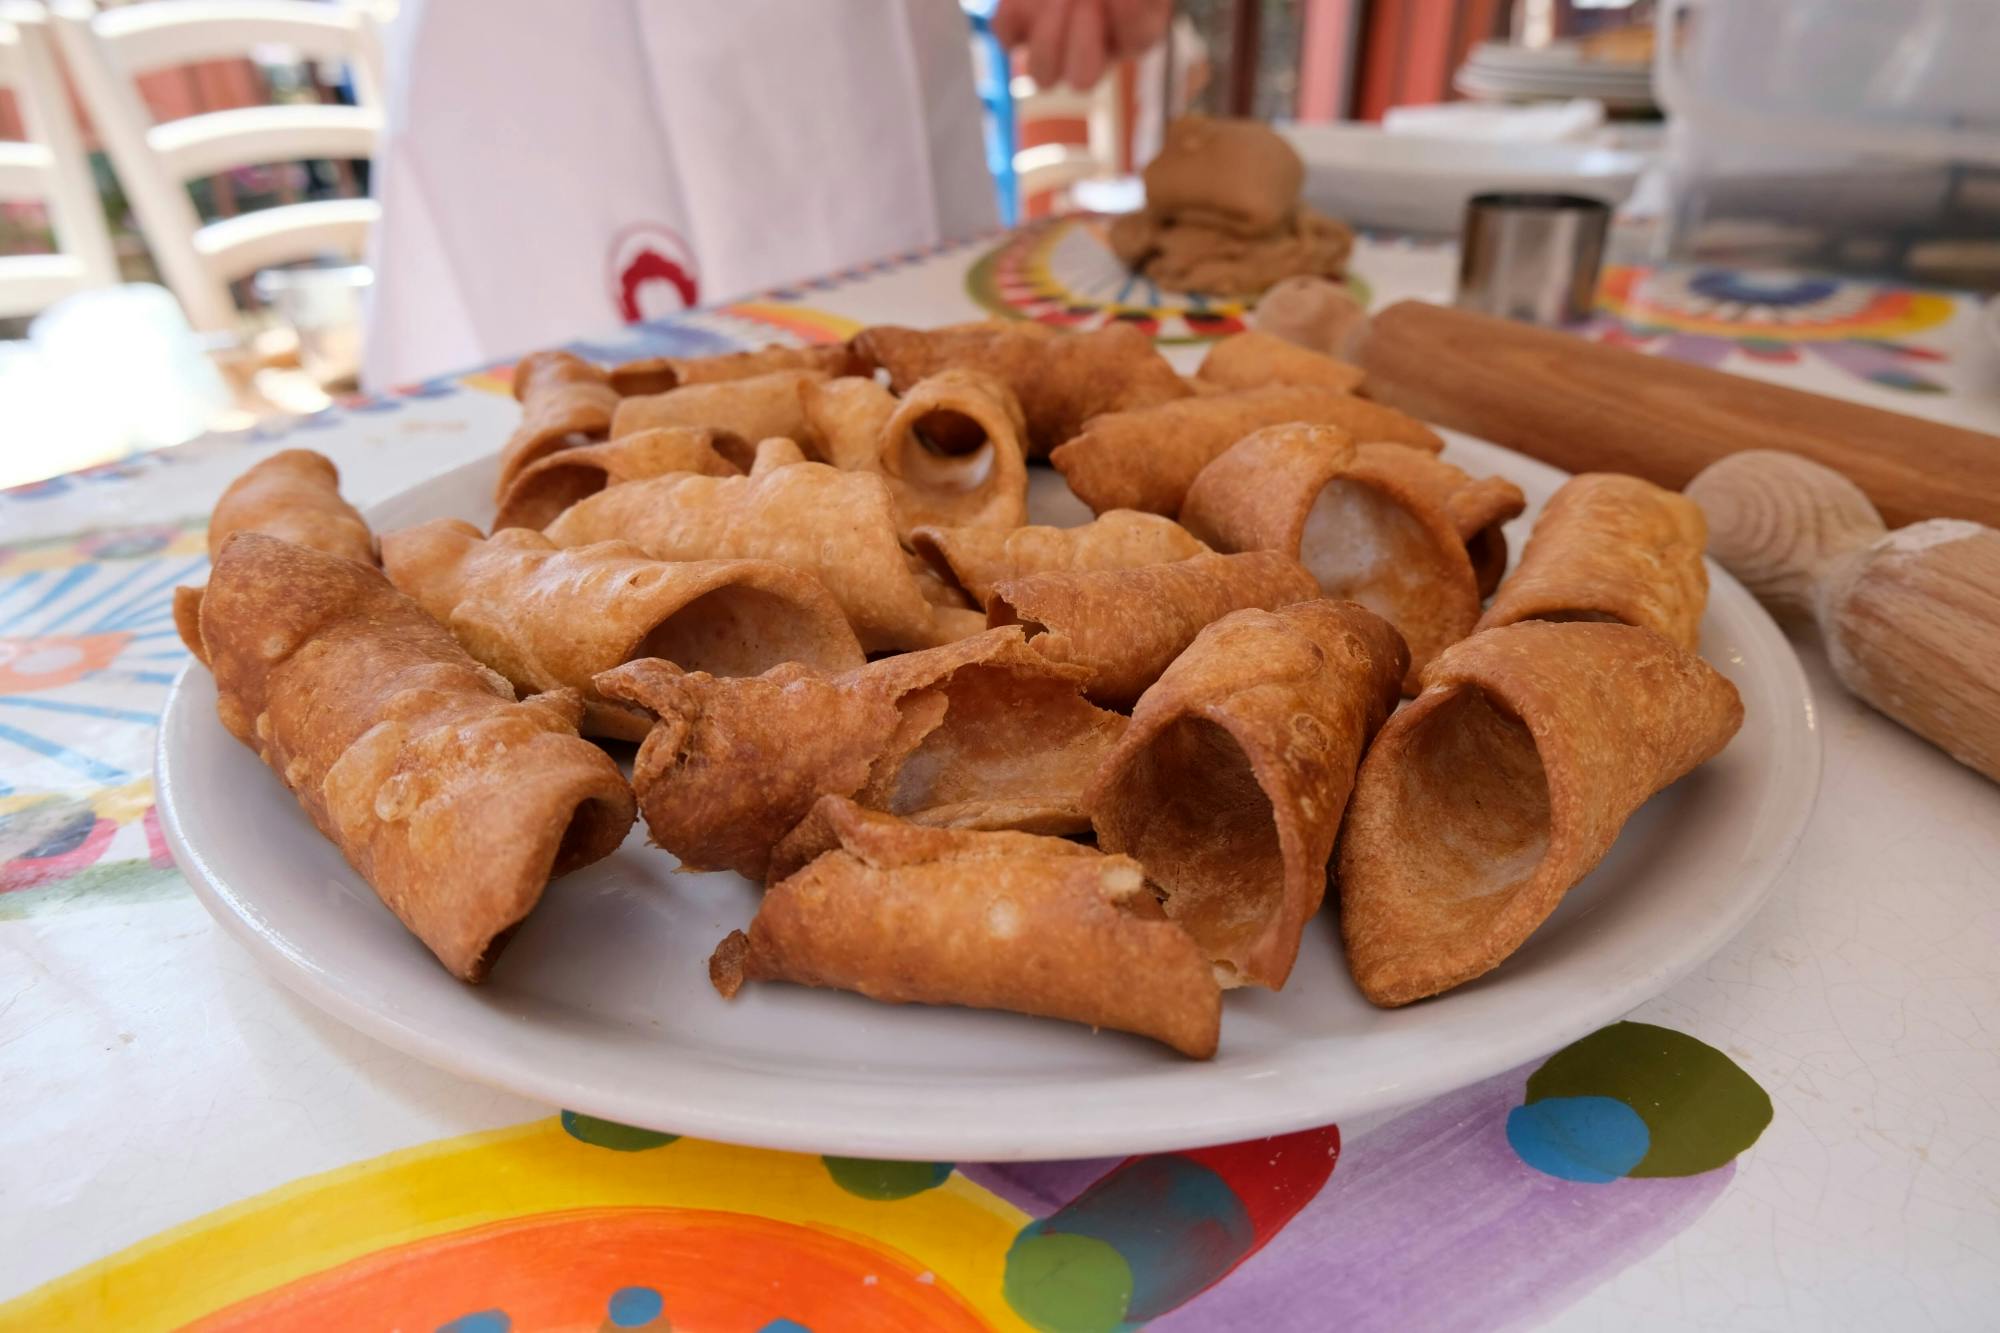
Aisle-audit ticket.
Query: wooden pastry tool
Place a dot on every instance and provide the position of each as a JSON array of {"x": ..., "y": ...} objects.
[
  {"x": 1587, "y": 407},
  {"x": 1911, "y": 617}
]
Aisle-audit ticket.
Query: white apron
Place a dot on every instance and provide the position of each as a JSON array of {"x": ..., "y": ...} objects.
[{"x": 551, "y": 169}]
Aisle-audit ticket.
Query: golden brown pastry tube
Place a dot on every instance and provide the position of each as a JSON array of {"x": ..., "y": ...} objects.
[
  {"x": 1483, "y": 802},
  {"x": 545, "y": 488},
  {"x": 838, "y": 526},
  {"x": 740, "y": 412},
  {"x": 1147, "y": 459},
  {"x": 1363, "y": 534},
  {"x": 978, "y": 559},
  {"x": 984, "y": 733},
  {"x": 1123, "y": 626},
  {"x": 1316, "y": 313},
  {"x": 1007, "y": 921},
  {"x": 951, "y": 449},
  {"x": 1611, "y": 547},
  {"x": 565, "y": 400},
  {"x": 1252, "y": 360},
  {"x": 658, "y": 374},
  {"x": 983, "y": 481},
  {"x": 1061, "y": 381},
  {"x": 1230, "y": 783},
  {"x": 294, "y": 495},
  {"x": 1477, "y": 506},
  {"x": 455, "y": 802},
  {"x": 845, "y": 420},
  {"x": 546, "y": 617}
]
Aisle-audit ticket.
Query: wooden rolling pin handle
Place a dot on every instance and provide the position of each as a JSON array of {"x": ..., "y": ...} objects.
[
  {"x": 1911, "y": 618},
  {"x": 1780, "y": 523},
  {"x": 1589, "y": 407}
]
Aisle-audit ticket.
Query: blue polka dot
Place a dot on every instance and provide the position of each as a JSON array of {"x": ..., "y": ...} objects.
[
  {"x": 1591, "y": 1139},
  {"x": 784, "y": 1326},
  {"x": 634, "y": 1306},
  {"x": 482, "y": 1321}
]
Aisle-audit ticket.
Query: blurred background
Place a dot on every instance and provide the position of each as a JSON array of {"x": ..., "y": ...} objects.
[{"x": 185, "y": 185}]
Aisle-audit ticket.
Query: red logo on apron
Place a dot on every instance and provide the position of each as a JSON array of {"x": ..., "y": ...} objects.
[{"x": 652, "y": 273}]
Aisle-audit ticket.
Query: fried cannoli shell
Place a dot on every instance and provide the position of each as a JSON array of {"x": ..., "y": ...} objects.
[
  {"x": 187, "y": 621},
  {"x": 1147, "y": 459},
  {"x": 983, "y": 482},
  {"x": 552, "y": 484},
  {"x": 951, "y": 449},
  {"x": 565, "y": 400},
  {"x": 1477, "y": 506},
  {"x": 1253, "y": 359},
  {"x": 1061, "y": 382},
  {"x": 1611, "y": 547},
  {"x": 293, "y": 495},
  {"x": 1230, "y": 783},
  {"x": 546, "y": 617},
  {"x": 838, "y": 526},
  {"x": 1124, "y": 626},
  {"x": 984, "y": 733},
  {"x": 658, "y": 374},
  {"x": 1483, "y": 802},
  {"x": 1363, "y": 533},
  {"x": 845, "y": 420},
  {"x": 938, "y": 587},
  {"x": 456, "y": 803},
  {"x": 979, "y": 559},
  {"x": 1314, "y": 312},
  {"x": 1011, "y": 921},
  {"x": 740, "y": 412}
]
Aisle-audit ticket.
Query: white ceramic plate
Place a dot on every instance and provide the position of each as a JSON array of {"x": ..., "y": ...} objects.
[
  {"x": 1411, "y": 182},
  {"x": 601, "y": 1003}
]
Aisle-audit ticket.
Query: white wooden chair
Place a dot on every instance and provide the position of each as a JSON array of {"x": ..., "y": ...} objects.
[
  {"x": 49, "y": 167},
  {"x": 155, "y": 162},
  {"x": 1057, "y": 166}
]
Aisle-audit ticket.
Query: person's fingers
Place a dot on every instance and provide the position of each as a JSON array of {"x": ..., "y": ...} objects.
[
  {"x": 1083, "y": 53},
  {"x": 1045, "y": 42},
  {"x": 1012, "y": 20},
  {"x": 1136, "y": 26}
]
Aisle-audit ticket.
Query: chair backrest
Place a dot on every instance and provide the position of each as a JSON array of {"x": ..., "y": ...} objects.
[
  {"x": 1056, "y": 166},
  {"x": 49, "y": 167},
  {"x": 155, "y": 161}
]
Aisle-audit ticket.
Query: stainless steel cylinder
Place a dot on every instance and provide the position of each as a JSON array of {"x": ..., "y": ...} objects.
[{"x": 1532, "y": 257}]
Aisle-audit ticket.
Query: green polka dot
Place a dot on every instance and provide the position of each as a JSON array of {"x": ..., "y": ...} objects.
[
  {"x": 871, "y": 1179},
  {"x": 1700, "y": 1108},
  {"x": 610, "y": 1134},
  {"x": 1063, "y": 1283}
]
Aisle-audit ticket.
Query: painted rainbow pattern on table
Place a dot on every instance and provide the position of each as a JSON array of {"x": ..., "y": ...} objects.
[
  {"x": 579, "y": 1223},
  {"x": 87, "y": 651},
  {"x": 1710, "y": 315}
]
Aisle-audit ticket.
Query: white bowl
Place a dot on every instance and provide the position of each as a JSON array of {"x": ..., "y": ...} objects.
[{"x": 1406, "y": 182}]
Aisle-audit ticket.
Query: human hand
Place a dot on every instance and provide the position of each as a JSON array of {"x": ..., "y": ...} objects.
[{"x": 1072, "y": 41}]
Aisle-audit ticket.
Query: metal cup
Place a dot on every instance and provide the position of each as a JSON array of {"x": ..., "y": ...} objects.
[{"x": 1532, "y": 257}]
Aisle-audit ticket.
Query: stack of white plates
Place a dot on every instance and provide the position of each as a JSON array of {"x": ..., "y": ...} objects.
[{"x": 1498, "y": 72}]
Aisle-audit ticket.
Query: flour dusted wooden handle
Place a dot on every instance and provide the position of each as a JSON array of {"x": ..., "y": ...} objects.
[
  {"x": 1587, "y": 407},
  {"x": 1911, "y": 618}
]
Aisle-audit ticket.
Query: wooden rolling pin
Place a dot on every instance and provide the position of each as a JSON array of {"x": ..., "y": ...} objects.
[
  {"x": 1911, "y": 618},
  {"x": 1586, "y": 407}
]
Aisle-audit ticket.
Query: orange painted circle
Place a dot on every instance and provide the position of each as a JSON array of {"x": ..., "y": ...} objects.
[
  {"x": 55, "y": 659},
  {"x": 715, "y": 1272}
]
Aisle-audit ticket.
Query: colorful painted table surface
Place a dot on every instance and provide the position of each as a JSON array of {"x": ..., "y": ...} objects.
[{"x": 1805, "y": 1134}]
